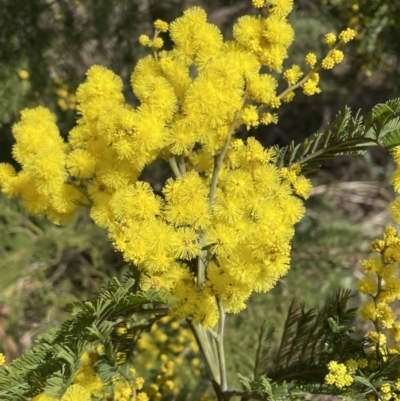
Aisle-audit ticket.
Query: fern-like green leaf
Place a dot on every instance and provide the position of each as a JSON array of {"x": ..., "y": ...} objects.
[
  {"x": 264, "y": 346},
  {"x": 309, "y": 340},
  {"x": 51, "y": 364},
  {"x": 346, "y": 135}
]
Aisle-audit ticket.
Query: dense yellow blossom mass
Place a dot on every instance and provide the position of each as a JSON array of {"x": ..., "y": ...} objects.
[
  {"x": 338, "y": 375},
  {"x": 221, "y": 227},
  {"x": 382, "y": 286}
]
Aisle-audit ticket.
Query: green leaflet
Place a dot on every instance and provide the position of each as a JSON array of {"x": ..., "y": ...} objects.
[
  {"x": 346, "y": 135},
  {"x": 51, "y": 364}
]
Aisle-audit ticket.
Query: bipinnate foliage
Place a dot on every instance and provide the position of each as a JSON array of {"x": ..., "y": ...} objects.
[
  {"x": 51, "y": 364},
  {"x": 346, "y": 135},
  {"x": 310, "y": 339}
]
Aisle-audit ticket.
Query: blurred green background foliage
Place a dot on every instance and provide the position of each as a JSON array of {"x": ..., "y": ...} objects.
[{"x": 46, "y": 46}]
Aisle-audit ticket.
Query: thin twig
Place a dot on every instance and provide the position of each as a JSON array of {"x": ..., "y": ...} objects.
[
  {"x": 220, "y": 158},
  {"x": 209, "y": 357},
  {"x": 220, "y": 346},
  {"x": 182, "y": 166},
  {"x": 174, "y": 166}
]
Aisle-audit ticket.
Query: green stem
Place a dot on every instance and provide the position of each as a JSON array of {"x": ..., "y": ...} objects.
[
  {"x": 181, "y": 164},
  {"x": 155, "y": 54},
  {"x": 220, "y": 158},
  {"x": 34, "y": 228},
  {"x": 220, "y": 346},
  {"x": 210, "y": 360},
  {"x": 84, "y": 193},
  {"x": 376, "y": 321},
  {"x": 174, "y": 166},
  {"x": 329, "y": 149},
  {"x": 201, "y": 267},
  {"x": 301, "y": 82}
]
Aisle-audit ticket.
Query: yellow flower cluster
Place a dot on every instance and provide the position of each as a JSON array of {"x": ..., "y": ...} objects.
[
  {"x": 221, "y": 229},
  {"x": 293, "y": 74},
  {"x": 338, "y": 375},
  {"x": 311, "y": 59},
  {"x": 267, "y": 38},
  {"x": 2, "y": 359},
  {"x": 336, "y": 56},
  {"x": 386, "y": 392},
  {"x": 330, "y": 39},
  {"x": 168, "y": 353},
  {"x": 23, "y": 74},
  {"x": 87, "y": 377},
  {"x": 382, "y": 284},
  {"x": 127, "y": 387},
  {"x": 351, "y": 365},
  {"x": 310, "y": 87},
  {"x": 65, "y": 99},
  {"x": 87, "y": 385},
  {"x": 75, "y": 392},
  {"x": 43, "y": 181},
  {"x": 347, "y": 35}
]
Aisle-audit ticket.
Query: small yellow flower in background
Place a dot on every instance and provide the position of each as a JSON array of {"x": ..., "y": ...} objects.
[
  {"x": 337, "y": 375},
  {"x": 289, "y": 97},
  {"x": 328, "y": 63},
  {"x": 395, "y": 331},
  {"x": 337, "y": 56},
  {"x": 330, "y": 39},
  {"x": 62, "y": 92},
  {"x": 368, "y": 285},
  {"x": 161, "y": 26},
  {"x": 293, "y": 74},
  {"x": 311, "y": 59},
  {"x": 362, "y": 363},
  {"x": 6, "y": 172},
  {"x": 302, "y": 187},
  {"x": 139, "y": 381},
  {"x": 385, "y": 388},
  {"x": 144, "y": 40},
  {"x": 157, "y": 43},
  {"x": 62, "y": 104},
  {"x": 377, "y": 338},
  {"x": 347, "y": 35},
  {"x": 195, "y": 362},
  {"x": 23, "y": 74},
  {"x": 175, "y": 325},
  {"x": 169, "y": 384},
  {"x": 377, "y": 245},
  {"x": 2, "y": 359},
  {"x": 258, "y": 3},
  {"x": 351, "y": 365},
  {"x": 249, "y": 116},
  {"x": 269, "y": 118},
  {"x": 310, "y": 87},
  {"x": 142, "y": 397},
  {"x": 152, "y": 390}
]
